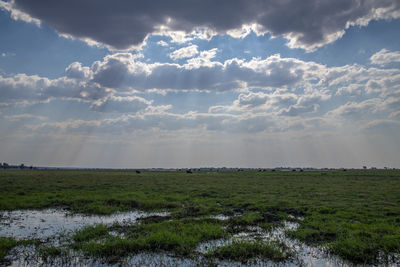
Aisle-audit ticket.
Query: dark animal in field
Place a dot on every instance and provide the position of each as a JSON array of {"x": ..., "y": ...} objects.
[
  {"x": 189, "y": 171},
  {"x": 137, "y": 171}
]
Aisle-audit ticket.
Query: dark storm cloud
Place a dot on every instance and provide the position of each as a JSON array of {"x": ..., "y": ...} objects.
[{"x": 121, "y": 24}]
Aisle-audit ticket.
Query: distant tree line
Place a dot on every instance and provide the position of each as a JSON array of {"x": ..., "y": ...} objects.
[{"x": 5, "y": 165}]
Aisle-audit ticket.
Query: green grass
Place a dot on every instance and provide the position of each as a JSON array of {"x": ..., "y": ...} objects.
[
  {"x": 354, "y": 214},
  {"x": 244, "y": 251},
  {"x": 50, "y": 252},
  {"x": 178, "y": 236},
  {"x": 6, "y": 244},
  {"x": 90, "y": 232}
]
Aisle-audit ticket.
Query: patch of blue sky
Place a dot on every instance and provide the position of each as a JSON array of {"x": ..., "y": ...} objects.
[
  {"x": 356, "y": 46},
  {"x": 39, "y": 50},
  {"x": 60, "y": 110},
  {"x": 154, "y": 52}
]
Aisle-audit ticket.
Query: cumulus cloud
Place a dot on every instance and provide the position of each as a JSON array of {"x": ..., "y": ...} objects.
[
  {"x": 351, "y": 90},
  {"x": 351, "y": 109},
  {"x": 184, "y": 52},
  {"x": 297, "y": 110},
  {"x": 276, "y": 103},
  {"x": 76, "y": 71},
  {"x": 203, "y": 60},
  {"x": 22, "y": 88},
  {"x": 251, "y": 100},
  {"x": 384, "y": 57},
  {"x": 123, "y": 72},
  {"x": 306, "y": 103},
  {"x": 281, "y": 86},
  {"x": 128, "y": 104},
  {"x": 312, "y": 23}
]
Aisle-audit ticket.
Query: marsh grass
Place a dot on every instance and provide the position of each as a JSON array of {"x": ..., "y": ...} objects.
[
  {"x": 353, "y": 214},
  {"x": 49, "y": 253},
  {"x": 178, "y": 236},
  {"x": 244, "y": 251},
  {"x": 8, "y": 243},
  {"x": 90, "y": 233}
]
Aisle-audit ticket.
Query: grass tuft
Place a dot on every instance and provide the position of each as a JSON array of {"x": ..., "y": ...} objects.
[
  {"x": 244, "y": 251},
  {"x": 178, "y": 236},
  {"x": 6, "y": 244}
]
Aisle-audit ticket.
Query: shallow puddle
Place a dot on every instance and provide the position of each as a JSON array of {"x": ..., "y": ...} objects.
[
  {"x": 42, "y": 224},
  {"x": 306, "y": 255}
]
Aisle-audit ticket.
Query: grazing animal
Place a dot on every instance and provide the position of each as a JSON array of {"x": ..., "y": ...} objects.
[
  {"x": 137, "y": 171},
  {"x": 189, "y": 171}
]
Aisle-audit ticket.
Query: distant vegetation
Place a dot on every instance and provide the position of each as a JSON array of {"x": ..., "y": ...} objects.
[
  {"x": 7, "y": 166},
  {"x": 352, "y": 214}
]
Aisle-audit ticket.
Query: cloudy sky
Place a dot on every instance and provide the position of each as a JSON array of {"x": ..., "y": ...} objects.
[{"x": 195, "y": 83}]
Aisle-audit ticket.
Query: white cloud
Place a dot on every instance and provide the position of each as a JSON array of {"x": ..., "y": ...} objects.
[
  {"x": 278, "y": 86},
  {"x": 128, "y": 104},
  {"x": 251, "y": 100},
  {"x": 17, "y": 14},
  {"x": 76, "y": 71},
  {"x": 162, "y": 43},
  {"x": 203, "y": 60},
  {"x": 384, "y": 57},
  {"x": 352, "y": 109},
  {"x": 124, "y": 73},
  {"x": 297, "y": 110},
  {"x": 351, "y": 90},
  {"x": 184, "y": 52},
  {"x": 24, "y": 117}
]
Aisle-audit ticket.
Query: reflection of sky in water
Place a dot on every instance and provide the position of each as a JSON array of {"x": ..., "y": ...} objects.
[
  {"x": 307, "y": 255},
  {"x": 46, "y": 223}
]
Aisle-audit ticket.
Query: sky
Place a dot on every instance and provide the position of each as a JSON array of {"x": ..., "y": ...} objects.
[{"x": 200, "y": 83}]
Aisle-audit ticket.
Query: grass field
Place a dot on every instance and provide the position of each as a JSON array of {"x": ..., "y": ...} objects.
[{"x": 353, "y": 214}]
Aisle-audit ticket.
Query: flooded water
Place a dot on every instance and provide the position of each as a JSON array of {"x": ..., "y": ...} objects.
[
  {"x": 306, "y": 255},
  {"x": 42, "y": 224},
  {"x": 140, "y": 259},
  {"x": 48, "y": 224}
]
